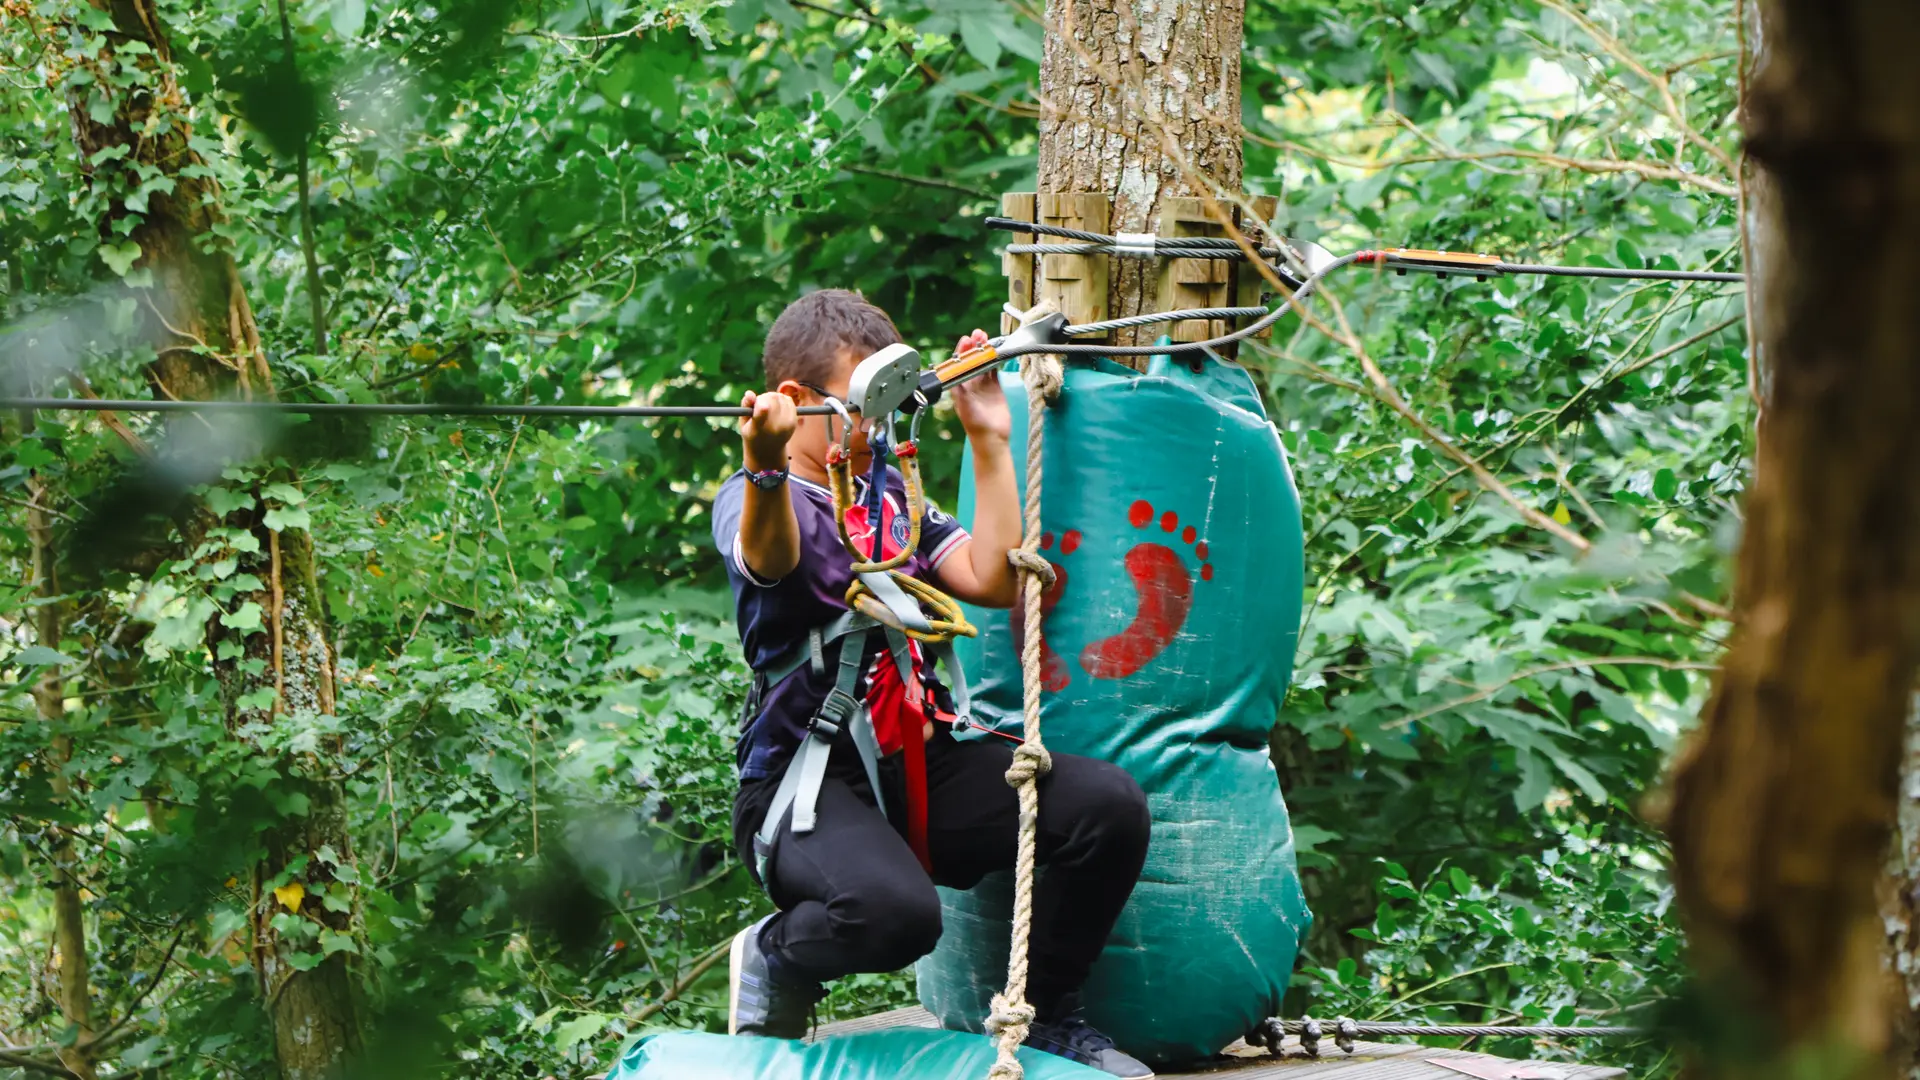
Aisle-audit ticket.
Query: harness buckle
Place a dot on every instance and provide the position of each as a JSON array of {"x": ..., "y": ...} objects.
[{"x": 833, "y": 713}]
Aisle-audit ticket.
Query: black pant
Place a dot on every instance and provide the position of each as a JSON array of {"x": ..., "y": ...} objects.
[{"x": 853, "y": 898}]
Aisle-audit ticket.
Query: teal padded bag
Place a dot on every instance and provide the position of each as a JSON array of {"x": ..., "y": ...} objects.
[
  {"x": 919, "y": 1053},
  {"x": 1174, "y": 525}
]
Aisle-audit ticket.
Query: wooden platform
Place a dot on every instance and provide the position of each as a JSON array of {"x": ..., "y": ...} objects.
[{"x": 1369, "y": 1061}]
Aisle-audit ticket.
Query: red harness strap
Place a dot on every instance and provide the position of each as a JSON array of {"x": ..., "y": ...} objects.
[
  {"x": 914, "y": 752},
  {"x": 899, "y": 710}
]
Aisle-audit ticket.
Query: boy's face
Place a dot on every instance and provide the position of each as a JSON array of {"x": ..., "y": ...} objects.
[{"x": 811, "y": 438}]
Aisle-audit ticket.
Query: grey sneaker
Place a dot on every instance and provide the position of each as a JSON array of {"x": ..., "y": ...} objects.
[
  {"x": 758, "y": 1001},
  {"x": 1071, "y": 1037}
]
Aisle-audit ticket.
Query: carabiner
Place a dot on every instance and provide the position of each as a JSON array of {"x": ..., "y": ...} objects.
[{"x": 846, "y": 425}]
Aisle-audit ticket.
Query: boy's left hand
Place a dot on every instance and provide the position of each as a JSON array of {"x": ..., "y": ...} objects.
[{"x": 980, "y": 402}]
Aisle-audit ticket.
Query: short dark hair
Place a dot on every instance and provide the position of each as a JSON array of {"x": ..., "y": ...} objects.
[{"x": 805, "y": 343}]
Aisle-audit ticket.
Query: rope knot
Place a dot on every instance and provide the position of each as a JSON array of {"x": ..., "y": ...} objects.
[
  {"x": 1030, "y": 762},
  {"x": 1031, "y": 562},
  {"x": 1044, "y": 373},
  {"x": 1009, "y": 1016}
]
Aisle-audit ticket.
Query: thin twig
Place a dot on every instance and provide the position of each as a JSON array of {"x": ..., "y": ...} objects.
[{"x": 1591, "y": 661}]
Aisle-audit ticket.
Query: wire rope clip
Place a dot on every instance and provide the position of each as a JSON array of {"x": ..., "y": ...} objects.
[
  {"x": 1128, "y": 243},
  {"x": 884, "y": 381}
]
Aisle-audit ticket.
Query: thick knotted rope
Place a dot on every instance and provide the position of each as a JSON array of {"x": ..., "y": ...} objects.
[{"x": 1011, "y": 1015}]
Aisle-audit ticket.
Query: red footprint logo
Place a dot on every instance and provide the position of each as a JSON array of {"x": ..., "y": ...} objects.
[
  {"x": 1166, "y": 596},
  {"x": 1165, "y": 588},
  {"x": 1053, "y": 670}
]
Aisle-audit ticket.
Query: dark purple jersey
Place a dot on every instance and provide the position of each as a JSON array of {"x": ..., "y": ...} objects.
[{"x": 774, "y": 616}]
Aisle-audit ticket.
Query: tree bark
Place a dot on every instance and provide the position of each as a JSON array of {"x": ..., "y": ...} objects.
[
  {"x": 208, "y": 346},
  {"x": 1900, "y": 907},
  {"x": 1784, "y": 803},
  {"x": 1141, "y": 102},
  {"x": 49, "y": 696}
]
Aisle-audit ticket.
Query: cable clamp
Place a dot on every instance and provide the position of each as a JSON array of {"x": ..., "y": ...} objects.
[{"x": 1134, "y": 243}]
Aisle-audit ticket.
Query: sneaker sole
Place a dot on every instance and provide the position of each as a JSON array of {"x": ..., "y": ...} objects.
[{"x": 736, "y": 956}]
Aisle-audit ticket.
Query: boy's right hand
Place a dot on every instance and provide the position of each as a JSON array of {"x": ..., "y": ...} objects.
[{"x": 764, "y": 435}]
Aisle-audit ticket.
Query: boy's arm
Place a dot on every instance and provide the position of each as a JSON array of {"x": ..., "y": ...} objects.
[
  {"x": 769, "y": 532},
  {"x": 979, "y": 573}
]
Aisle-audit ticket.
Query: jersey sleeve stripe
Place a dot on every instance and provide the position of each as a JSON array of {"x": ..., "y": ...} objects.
[
  {"x": 740, "y": 564},
  {"x": 948, "y": 546}
]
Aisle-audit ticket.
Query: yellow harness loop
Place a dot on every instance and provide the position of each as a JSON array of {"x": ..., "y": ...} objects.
[{"x": 942, "y": 612}]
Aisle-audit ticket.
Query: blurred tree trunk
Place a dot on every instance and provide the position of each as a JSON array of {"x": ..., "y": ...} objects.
[
  {"x": 1784, "y": 803},
  {"x": 49, "y": 697},
  {"x": 1900, "y": 905},
  {"x": 1141, "y": 103},
  {"x": 207, "y": 347}
]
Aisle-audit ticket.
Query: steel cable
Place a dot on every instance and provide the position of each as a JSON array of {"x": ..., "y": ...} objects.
[
  {"x": 1110, "y": 325},
  {"x": 1272, "y": 1032}
]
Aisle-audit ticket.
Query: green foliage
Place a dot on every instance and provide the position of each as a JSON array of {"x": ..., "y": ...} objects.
[
  {"x": 1579, "y": 935},
  {"x": 536, "y": 679}
]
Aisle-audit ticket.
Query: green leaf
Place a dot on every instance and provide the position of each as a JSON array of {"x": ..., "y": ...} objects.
[
  {"x": 1462, "y": 884},
  {"x": 37, "y": 655},
  {"x": 245, "y": 619},
  {"x": 348, "y": 16},
  {"x": 1665, "y": 485},
  {"x": 281, "y": 519},
  {"x": 578, "y": 1030},
  {"x": 119, "y": 257},
  {"x": 1677, "y": 685},
  {"x": 976, "y": 33}
]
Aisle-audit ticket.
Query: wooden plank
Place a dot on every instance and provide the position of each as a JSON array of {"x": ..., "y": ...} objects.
[
  {"x": 1369, "y": 1061},
  {"x": 1019, "y": 269},
  {"x": 1249, "y": 283},
  {"x": 1193, "y": 283},
  {"x": 1077, "y": 284}
]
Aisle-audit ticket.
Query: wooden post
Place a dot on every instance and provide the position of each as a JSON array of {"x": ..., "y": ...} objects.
[{"x": 1141, "y": 104}]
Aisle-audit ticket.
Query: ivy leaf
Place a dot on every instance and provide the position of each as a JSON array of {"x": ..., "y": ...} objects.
[
  {"x": 290, "y": 895},
  {"x": 245, "y": 619},
  {"x": 282, "y": 518},
  {"x": 224, "y": 501},
  {"x": 119, "y": 257}
]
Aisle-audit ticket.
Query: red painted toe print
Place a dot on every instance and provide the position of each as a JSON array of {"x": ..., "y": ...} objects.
[
  {"x": 1054, "y": 676},
  {"x": 1165, "y": 587}
]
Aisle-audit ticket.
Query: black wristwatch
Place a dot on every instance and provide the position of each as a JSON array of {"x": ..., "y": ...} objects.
[{"x": 767, "y": 479}]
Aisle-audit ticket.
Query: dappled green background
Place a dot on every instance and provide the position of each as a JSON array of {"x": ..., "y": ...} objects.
[{"x": 606, "y": 203}]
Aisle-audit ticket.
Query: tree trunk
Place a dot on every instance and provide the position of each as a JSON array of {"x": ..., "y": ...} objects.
[
  {"x": 1784, "y": 803},
  {"x": 1900, "y": 906},
  {"x": 49, "y": 696},
  {"x": 1141, "y": 102},
  {"x": 208, "y": 346}
]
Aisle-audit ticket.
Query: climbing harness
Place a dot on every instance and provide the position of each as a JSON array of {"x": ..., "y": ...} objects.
[{"x": 1271, "y": 1033}]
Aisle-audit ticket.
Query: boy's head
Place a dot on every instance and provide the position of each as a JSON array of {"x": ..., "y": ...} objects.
[{"x": 820, "y": 338}]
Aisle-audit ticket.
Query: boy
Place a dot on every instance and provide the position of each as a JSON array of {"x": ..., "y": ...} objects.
[{"x": 853, "y": 893}]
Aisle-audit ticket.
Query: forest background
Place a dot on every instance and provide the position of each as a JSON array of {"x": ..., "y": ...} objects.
[{"x": 1520, "y": 496}]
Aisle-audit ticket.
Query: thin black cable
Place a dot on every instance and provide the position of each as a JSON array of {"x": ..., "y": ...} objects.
[
  {"x": 1614, "y": 272},
  {"x": 323, "y": 408}
]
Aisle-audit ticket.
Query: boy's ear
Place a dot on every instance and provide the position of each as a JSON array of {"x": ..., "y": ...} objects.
[{"x": 791, "y": 388}]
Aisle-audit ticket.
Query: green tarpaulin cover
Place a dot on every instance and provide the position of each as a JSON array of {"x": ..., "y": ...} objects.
[
  {"x": 1174, "y": 524},
  {"x": 874, "y": 1055}
]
